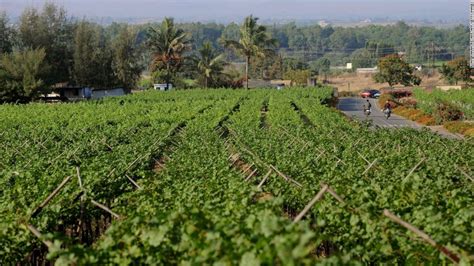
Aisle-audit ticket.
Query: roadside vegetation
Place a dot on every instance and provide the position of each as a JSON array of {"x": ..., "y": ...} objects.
[{"x": 453, "y": 109}]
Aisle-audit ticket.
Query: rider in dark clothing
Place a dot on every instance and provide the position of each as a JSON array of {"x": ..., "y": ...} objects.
[
  {"x": 387, "y": 106},
  {"x": 369, "y": 105}
]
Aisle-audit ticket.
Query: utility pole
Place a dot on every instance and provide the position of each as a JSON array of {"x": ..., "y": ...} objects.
[{"x": 432, "y": 54}]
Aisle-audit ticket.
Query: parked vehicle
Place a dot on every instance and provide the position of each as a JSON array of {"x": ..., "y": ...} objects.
[{"x": 368, "y": 93}]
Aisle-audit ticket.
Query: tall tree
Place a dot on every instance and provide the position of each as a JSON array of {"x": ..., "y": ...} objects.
[
  {"x": 86, "y": 42},
  {"x": 209, "y": 65},
  {"x": 125, "y": 64},
  {"x": 394, "y": 70},
  {"x": 20, "y": 75},
  {"x": 254, "y": 42},
  {"x": 52, "y": 30},
  {"x": 322, "y": 66},
  {"x": 456, "y": 70},
  {"x": 168, "y": 45},
  {"x": 6, "y": 34},
  {"x": 362, "y": 58}
]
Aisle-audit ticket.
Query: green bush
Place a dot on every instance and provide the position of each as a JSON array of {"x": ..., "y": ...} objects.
[
  {"x": 446, "y": 112},
  {"x": 145, "y": 83}
]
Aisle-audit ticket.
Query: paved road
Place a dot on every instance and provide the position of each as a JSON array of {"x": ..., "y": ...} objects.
[{"x": 353, "y": 107}]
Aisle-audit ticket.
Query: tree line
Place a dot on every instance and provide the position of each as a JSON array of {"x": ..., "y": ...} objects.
[{"x": 47, "y": 48}]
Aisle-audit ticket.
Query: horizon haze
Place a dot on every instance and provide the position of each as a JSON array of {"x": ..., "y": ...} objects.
[{"x": 234, "y": 10}]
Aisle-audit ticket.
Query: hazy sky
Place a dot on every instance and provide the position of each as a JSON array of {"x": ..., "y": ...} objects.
[{"x": 276, "y": 9}]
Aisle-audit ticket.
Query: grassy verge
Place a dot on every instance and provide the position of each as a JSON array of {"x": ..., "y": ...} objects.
[
  {"x": 417, "y": 115},
  {"x": 465, "y": 128}
]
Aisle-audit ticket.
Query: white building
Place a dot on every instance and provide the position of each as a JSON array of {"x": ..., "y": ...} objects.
[{"x": 163, "y": 87}]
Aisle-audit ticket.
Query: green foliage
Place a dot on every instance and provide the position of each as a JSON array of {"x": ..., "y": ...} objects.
[
  {"x": 267, "y": 68},
  {"x": 362, "y": 58},
  {"x": 322, "y": 66},
  {"x": 125, "y": 66},
  {"x": 52, "y": 29},
  {"x": 145, "y": 83},
  {"x": 298, "y": 77},
  {"x": 20, "y": 75},
  {"x": 394, "y": 70},
  {"x": 49, "y": 29},
  {"x": 379, "y": 49},
  {"x": 294, "y": 64},
  {"x": 168, "y": 44},
  {"x": 199, "y": 210},
  {"x": 6, "y": 34},
  {"x": 209, "y": 66},
  {"x": 461, "y": 100},
  {"x": 93, "y": 57},
  {"x": 456, "y": 70},
  {"x": 254, "y": 41},
  {"x": 446, "y": 112}
]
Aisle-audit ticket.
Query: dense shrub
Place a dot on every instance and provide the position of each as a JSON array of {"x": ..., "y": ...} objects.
[
  {"x": 398, "y": 93},
  {"x": 446, "y": 112},
  {"x": 408, "y": 102},
  {"x": 388, "y": 97}
]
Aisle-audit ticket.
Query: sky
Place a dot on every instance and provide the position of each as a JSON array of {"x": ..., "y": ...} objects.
[{"x": 234, "y": 10}]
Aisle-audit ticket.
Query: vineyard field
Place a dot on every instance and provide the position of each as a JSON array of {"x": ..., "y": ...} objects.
[{"x": 226, "y": 177}]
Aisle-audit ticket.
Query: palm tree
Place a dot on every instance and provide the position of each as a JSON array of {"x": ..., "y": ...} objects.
[
  {"x": 254, "y": 42},
  {"x": 209, "y": 64},
  {"x": 167, "y": 44}
]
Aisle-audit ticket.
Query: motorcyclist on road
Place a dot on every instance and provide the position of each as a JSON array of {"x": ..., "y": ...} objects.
[
  {"x": 387, "y": 106},
  {"x": 387, "y": 109},
  {"x": 367, "y": 108}
]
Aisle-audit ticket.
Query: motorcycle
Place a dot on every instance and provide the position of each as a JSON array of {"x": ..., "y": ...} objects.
[
  {"x": 387, "y": 112},
  {"x": 367, "y": 112}
]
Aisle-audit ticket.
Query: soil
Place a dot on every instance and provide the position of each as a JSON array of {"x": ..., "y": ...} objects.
[{"x": 353, "y": 82}]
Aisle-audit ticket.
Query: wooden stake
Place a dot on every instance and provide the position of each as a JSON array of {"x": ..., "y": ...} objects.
[
  {"x": 452, "y": 256},
  {"x": 50, "y": 197},
  {"x": 363, "y": 157},
  {"x": 376, "y": 146},
  {"x": 356, "y": 142},
  {"x": 414, "y": 168},
  {"x": 304, "y": 147},
  {"x": 78, "y": 171},
  {"x": 37, "y": 233},
  {"x": 133, "y": 182},
  {"x": 111, "y": 172},
  {"x": 130, "y": 165},
  {"x": 319, "y": 156},
  {"x": 335, "y": 195},
  {"x": 251, "y": 175},
  {"x": 308, "y": 207},
  {"x": 288, "y": 179},
  {"x": 370, "y": 166},
  {"x": 265, "y": 179},
  {"x": 103, "y": 207},
  {"x": 248, "y": 168},
  {"x": 464, "y": 173},
  {"x": 106, "y": 144}
]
